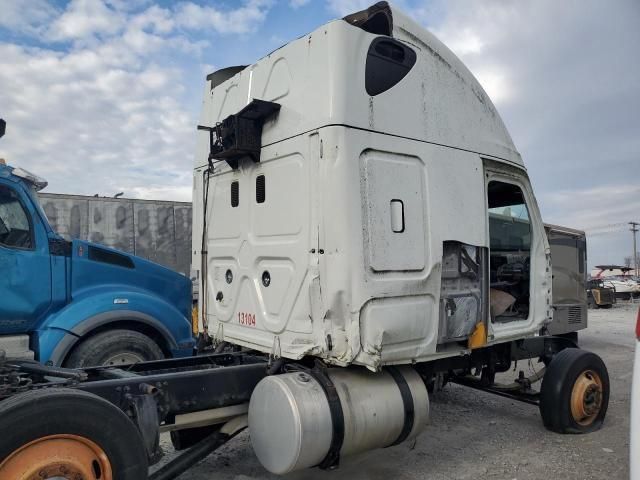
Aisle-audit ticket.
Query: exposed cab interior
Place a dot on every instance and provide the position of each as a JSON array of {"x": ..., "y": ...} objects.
[{"x": 510, "y": 252}]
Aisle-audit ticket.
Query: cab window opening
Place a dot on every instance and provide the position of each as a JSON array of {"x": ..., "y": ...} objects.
[
  {"x": 15, "y": 225},
  {"x": 510, "y": 246}
]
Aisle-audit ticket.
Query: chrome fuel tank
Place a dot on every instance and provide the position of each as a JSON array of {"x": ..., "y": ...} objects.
[{"x": 291, "y": 424}]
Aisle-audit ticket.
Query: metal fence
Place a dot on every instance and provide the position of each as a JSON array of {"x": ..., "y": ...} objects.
[{"x": 157, "y": 230}]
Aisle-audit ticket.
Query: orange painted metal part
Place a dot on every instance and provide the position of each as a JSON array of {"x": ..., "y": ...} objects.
[
  {"x": 586, "y": 398},
  {"x": 479, "y": 336},
  {"x": 71, "y": 457}
]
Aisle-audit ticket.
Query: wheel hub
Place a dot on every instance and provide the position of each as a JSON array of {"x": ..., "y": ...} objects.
[
  {"x": 124, "y": 358},
  {"x": 57, "y": 457},
  {"x": 586, "y": 398}
]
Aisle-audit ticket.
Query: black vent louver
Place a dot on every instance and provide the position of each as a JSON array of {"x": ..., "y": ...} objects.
[
  {"x": 261, "y": 193},
  {"x": 112, "y": 258},
  {"x": 235, "y": 194}
]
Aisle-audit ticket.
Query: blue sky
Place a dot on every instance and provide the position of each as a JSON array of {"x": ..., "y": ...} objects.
[{"x": 102, "y": 96}]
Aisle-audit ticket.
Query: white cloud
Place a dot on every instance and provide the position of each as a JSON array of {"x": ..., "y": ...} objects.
[
  {"x": 74, "y": 116},
  {"x": 109, "y": 113},
  {"x": 159, "y": 20},
  {"x": 606, "y": 205},
  {"x": 240, "y": 20},
  {"x": 345, "y": 7},
  {"x": 84, "y": 18},
  {"x": 495, "y": 81},
  {"x": 26, "y": 17}
]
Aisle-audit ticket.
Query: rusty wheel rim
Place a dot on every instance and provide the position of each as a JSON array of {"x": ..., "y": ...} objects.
[
  {"x": 586, "y": 398},
  {"x": 70, "y": 457}
]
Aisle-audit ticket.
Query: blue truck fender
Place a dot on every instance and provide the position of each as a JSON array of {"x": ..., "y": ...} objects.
[{"x": 59, "y": 334}]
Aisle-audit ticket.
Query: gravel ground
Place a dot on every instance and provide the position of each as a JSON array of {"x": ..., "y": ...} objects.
[{"x": 474, "y": 435}]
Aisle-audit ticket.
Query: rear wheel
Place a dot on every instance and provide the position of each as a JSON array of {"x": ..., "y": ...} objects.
[
  {"x": 574, "y": 395},
  {"x": 68, "y": 434},
  {"x": 114, "y": 347}
]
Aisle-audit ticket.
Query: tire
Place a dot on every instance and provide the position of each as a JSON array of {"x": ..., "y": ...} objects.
[
  {"x": 89, "y": 432},
  {"x": 574, "y": 395},
  {"x": 114, "y": 347}
]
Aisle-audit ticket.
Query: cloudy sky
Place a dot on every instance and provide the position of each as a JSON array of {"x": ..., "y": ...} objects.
[{"x": 102, "y": 96}]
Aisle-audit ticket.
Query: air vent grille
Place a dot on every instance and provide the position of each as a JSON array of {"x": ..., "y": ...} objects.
[
  {"x": 261, "y": 192},
  {"x": 575, "y": 315},
  {"x": 235, "y": 194}
]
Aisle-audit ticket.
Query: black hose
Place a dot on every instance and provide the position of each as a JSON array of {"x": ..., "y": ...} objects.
[{"x": 192, "y": 456}]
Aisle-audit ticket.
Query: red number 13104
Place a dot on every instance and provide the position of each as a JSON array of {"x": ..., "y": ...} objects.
[{"x": 248, "y": 319}]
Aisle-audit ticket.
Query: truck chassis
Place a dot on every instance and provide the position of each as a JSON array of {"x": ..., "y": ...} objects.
[{"x": 189, "y": 396}]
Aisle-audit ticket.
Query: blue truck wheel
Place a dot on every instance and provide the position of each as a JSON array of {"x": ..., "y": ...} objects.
[{"x": 114, "y": 347}]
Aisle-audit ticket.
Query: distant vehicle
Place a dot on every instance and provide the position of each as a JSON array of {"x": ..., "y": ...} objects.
[
  {"x": 568, "y": 285},
  {"x": 76, "y": 303},
  {"x": 619, "y": 278},
  {"x": 635, "y": 409},
  {"x": 624, "y": 288},
  {"x": 599, "y": 295}
]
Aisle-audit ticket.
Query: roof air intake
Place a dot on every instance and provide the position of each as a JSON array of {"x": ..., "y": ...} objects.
[{"x": 376, "y": 19}]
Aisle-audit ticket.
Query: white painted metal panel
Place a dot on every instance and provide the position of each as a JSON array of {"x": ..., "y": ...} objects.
[
  {"x": 345, "y": 282},
  {"x": 394, "y": 179}
]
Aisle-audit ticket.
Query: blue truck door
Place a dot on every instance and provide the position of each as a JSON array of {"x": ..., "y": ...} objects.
[{"x": 25, "y": 269}]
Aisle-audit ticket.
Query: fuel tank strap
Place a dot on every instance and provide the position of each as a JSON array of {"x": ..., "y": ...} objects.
[
  {"x": 332, "y": 459},
  {"x": 407, "y": 401}
]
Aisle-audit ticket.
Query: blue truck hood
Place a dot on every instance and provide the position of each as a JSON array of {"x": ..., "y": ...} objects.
[{"x": 96, "y": 266}]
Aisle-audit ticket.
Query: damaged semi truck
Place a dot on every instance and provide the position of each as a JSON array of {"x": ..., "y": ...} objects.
[{"x": 364, "y": 229}]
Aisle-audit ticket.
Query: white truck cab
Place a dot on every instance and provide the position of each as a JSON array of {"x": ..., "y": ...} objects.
[
  {"x": 366, "y": 229},
  {"x": 384, "y": 218}
]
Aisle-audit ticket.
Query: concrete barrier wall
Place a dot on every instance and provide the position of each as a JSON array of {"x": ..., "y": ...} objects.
[{"x": 159, "y": 231}]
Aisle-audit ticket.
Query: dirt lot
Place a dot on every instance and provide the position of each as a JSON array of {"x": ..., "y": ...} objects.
[{"x": 477, "y": 435}]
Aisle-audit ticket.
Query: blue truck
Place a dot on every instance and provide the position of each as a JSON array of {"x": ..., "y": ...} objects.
[{"x": 75, "y": 303}]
